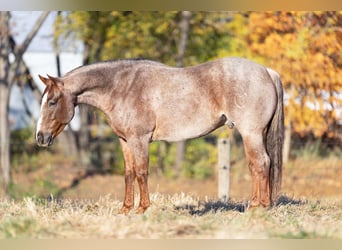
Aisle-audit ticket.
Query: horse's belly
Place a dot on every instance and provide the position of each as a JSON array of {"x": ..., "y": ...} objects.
[{"x": 185, "y": 128}]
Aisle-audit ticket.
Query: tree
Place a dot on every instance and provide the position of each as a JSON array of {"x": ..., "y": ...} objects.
[
  {"x": 152, "y": 35},
  {"x": 8, "y": 74},
  {"x": 183, "y": 40},
  {"x": 305, "y": 47}
]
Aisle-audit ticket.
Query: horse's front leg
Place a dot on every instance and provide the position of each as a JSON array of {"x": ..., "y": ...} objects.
[
  {"x": 140, "y": 149},
  {"x": 135, "y": 151},
  {"x": 129, "y": 178}
]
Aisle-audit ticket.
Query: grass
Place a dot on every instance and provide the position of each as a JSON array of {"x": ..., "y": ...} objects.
[
  {"x": 312, "y": 208},
  {"x": 176, "y": 216}
]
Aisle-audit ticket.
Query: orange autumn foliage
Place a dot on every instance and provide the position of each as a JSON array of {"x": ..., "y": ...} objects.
[{"x": 305, "y": 48}]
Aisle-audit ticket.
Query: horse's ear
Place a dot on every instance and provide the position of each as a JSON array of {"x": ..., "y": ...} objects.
[
  {"x": 45, "y": 80},
  {"x": 56, "y": 80}
]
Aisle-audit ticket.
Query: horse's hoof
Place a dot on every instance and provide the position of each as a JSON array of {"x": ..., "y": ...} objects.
[
  {"x": 256, "y": 204},
  {"x": 141, "y": 210},
  {"x": 124, "y": 210}
]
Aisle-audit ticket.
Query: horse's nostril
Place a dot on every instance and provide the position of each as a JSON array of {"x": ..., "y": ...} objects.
[
  {"x": 49, "y": 140},
  {"x": 40, "y": 138}
]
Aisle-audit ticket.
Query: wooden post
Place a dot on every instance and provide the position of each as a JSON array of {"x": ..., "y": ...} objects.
[
  {"x": 287, "y": 144},
  {"x": 223, "y": 169}
]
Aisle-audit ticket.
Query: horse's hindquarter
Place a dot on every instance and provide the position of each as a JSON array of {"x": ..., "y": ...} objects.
[{"x": 250, "y": 95}]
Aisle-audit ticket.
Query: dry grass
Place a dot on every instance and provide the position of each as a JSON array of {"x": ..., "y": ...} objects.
[
  {"x": 314, "y": 209},
  {"x": 176, "y": 216}
]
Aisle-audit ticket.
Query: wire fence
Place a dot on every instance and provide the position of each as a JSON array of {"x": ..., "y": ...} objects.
[{"x": 313, "y": 148}]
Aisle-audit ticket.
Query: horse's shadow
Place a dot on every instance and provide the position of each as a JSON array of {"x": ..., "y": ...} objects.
[
  {"x": 284, "y": 200},
  {"x": 214, "y": 206}
]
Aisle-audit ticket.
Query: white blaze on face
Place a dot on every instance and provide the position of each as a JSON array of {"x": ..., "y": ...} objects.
[{"x": 40, "y": 120}]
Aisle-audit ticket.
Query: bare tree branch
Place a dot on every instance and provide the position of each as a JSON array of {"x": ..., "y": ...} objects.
[{"x": 20, "y": 50}]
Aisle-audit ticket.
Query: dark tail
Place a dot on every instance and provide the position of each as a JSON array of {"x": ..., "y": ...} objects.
[{"x": 275, "y": 139}]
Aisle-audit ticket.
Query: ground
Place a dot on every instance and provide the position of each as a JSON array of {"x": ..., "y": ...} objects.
[
  {"x": 302, "y": 179},
  {"x": 87, "y": 205}
]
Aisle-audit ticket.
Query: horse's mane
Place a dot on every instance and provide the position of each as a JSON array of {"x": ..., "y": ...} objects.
[{"x": 109, "y": 62}]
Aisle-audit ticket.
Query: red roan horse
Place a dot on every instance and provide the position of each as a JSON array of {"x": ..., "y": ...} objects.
[{"x": 146, "y": 101}]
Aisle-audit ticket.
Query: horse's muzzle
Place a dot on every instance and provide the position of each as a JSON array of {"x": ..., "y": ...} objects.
[{"x": 44, "y": 140}]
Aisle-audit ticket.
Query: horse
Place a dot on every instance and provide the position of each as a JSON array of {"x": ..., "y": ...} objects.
[{"x": 146, "y": 101}]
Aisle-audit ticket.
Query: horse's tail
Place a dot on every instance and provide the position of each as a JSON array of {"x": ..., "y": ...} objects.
[{"x": 275, "y": 139}]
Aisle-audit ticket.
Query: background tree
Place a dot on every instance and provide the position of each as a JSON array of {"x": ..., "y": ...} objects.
[
  {"x": 184, "y": 27},
  {"x": 305, "y": 47},
  {"x": 9, "y": 73}
]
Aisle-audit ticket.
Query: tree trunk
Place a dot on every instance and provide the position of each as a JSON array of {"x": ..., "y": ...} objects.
[
  {"x": 184, "y": 29},
  {"x": 8, "y": 72},
  {"x": 183, "y": 40},
  {"x": 83, "y": 134},
  {"x": 5, "y": 48},
  {"x": 4, "y": 139}
]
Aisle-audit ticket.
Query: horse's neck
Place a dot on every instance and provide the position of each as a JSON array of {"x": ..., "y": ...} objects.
[{"x": 88, "y": 89}]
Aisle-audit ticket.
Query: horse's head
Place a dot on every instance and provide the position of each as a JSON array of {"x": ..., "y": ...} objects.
[{"x": 57, "y": 110}]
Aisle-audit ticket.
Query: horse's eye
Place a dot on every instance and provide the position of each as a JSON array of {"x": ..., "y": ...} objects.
[{"x": 51, "y": 103}]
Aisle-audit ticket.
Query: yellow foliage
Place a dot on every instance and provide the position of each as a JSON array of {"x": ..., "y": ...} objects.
[{"x": 305, "y": 48}]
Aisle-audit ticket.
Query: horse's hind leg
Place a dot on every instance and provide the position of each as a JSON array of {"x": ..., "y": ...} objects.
[{"x": 259, "y": 166}]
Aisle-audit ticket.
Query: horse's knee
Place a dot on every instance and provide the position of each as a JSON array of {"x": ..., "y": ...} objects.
[
  {"x": 129, "y": 176},
  {"x": 141, "y": 175}
]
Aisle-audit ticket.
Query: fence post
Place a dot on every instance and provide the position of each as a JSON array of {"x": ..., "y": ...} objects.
[{"x": 223, "y": 169}]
